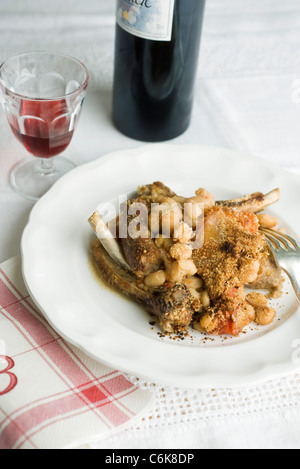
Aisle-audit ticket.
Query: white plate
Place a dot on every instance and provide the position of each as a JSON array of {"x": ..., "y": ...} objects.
[{"x": 116, "y": 331}]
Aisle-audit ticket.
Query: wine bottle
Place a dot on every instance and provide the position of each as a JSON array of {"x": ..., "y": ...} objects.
[{"x": 156, "y": 57}]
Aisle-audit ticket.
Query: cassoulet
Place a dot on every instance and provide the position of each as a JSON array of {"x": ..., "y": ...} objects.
[{"x": 190, "y": 261}]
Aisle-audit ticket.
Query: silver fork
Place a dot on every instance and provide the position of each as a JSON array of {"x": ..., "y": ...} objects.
[{"x": 286, "y": 251}]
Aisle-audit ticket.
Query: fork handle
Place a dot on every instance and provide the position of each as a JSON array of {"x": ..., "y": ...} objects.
[{"x": 294, "y": 277}]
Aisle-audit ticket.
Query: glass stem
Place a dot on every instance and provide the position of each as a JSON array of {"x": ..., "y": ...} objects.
[{"x": 46, "y": 166}]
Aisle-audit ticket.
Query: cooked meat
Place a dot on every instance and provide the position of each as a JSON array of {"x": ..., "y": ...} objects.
[
  {"x": 172, "y": 304},
  {"x": 115, "y": 276},
  {"x": 230, "y": 254},
  {"x": 155, "y": 192},
  {"x": 269, "y": 276},
  {"x": 229, "y": 259},
  {"x": 140, "y": 251},
  {"x": 175, "y": 306}
]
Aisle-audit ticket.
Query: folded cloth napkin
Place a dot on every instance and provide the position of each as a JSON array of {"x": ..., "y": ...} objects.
[{"x": 52, "y": 395}]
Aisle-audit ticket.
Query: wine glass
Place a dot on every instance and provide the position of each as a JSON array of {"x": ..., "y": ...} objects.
[{"x": 42, "y": 94}]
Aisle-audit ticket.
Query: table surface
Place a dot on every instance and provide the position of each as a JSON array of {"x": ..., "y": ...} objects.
[{"x": 247, "y": 98}]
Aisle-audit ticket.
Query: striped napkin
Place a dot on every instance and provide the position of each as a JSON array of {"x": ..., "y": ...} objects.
[{"x": 52, "y": 395}]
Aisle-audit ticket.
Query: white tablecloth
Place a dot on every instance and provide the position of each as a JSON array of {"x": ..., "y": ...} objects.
[{"x": 248, "y": 99}]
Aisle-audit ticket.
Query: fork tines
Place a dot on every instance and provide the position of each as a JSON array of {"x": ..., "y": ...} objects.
[{"x": 280, "y": 240}]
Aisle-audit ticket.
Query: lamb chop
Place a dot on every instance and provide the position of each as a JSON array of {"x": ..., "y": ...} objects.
[
  {"x": 136, "y": 253},
  {"x": 140, "y": 250},
  {"x": 234, "y": 255},
  {"x": 229, "y": 259},
  {"x": 173, "y": 305}
]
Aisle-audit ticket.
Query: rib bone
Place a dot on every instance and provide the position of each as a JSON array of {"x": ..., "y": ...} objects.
[
  {"x": 107, "y": 240},
  {"x": 251, "y": 203}
]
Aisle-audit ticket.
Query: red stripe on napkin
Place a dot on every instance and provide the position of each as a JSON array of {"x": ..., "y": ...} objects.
[
  {"x": 103, "y": 396},
  {"x": 6, "y": 294}
]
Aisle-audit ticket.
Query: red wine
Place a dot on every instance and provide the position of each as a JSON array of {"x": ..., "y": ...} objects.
[
  {"x": 44, "y": 147},
  {"x": 154, "y": 79},
  {"x": 43, "y": 127}
]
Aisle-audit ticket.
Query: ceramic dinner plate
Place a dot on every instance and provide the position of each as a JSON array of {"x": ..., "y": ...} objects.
[{"x": 116, "y": 331}]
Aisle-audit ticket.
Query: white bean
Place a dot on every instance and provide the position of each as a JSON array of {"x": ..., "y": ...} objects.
[
  {"x": 267, "y": 221},
  {"x": 193, "y": 282},
  {"x": 155, "y": 280},
  {"x": 205, "y": 300}
]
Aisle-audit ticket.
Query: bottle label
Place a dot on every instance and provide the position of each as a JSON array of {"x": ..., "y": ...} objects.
[{"x": 149, "y": 19}]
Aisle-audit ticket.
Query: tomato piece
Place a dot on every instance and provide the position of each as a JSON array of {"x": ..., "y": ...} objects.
[{"x": 249, "y": 221}]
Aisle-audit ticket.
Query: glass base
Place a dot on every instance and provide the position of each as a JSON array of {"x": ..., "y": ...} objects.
[{"x": 33, "y": 177}]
